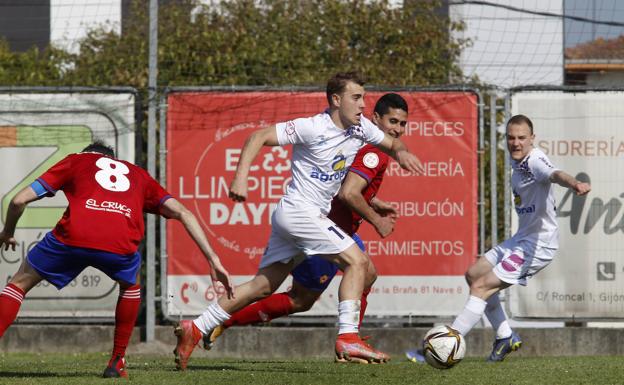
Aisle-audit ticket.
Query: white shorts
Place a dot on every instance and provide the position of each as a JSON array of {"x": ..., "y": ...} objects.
[
  {"x": 298, "y": 232},
  {"x": 516, "y": 261}
]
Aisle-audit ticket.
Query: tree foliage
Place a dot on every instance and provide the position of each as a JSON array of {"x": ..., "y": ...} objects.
[
  {"x": 256, "y": 42},
  {"x": 29, "y": 68}
]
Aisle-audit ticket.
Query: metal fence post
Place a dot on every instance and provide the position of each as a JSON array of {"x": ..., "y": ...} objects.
[
  {"x": 162, "y": 142},
  {"x": 150, "y": 291},
  {"x": 481, "y": 176},
  {"x": 493, "y": 182},
  {"x": 507, "y": 174}
]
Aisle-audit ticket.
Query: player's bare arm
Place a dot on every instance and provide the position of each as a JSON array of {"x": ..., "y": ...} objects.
[
  {"x": 251, "y": 148},
  {"x": 399, "y": 152},
  {"x": 15, "y": 210},
  {"x": 566, "y": 180},
  {"x": 172, "y": 209},
  {"x": 383, "y": 208},
  {"x": 351, "y": 193}
]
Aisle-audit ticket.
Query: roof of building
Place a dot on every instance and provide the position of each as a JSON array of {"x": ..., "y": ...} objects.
[
  {"x": 605, "y": 49},
  {"x": 597, "y": 55}
]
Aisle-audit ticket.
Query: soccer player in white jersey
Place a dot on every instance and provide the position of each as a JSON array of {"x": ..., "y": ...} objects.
[
  {"x": 528, "y": 251},
  {"x": 324, "y": 146}
]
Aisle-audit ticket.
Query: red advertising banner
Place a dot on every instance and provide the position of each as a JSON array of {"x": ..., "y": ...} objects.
[{"x": 436, "y": 233}]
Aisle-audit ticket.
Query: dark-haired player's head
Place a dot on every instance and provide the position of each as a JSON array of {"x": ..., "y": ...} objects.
[
  {"x": 100, "y": 147},
  {"x": 345, "y": 93},
  {"x": 519, "y": 136},
  {"x": 390, "y": 114}
]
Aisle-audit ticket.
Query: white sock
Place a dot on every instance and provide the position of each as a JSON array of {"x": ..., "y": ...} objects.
[
  {"x": 348, "y": 316},
  {"x": 211, "y": 318},
  {"x": 496, "y": 315},
  {"x": 468, "y": 318}
]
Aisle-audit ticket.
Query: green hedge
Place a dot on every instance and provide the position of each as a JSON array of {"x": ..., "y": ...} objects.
[{"x": 263, "y": 42}]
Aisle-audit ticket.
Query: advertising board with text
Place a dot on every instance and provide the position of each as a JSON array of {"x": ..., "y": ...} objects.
[
  {"x": 420, "y": 266},
  {"x": 581, "y": 133},
  {"x": 36, "y": 131}
]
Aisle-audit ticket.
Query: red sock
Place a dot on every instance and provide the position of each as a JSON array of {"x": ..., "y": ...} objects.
[
  {"x": 363, "y": 304},
  {"x": 273, "y": 306},
  {"x": 349, "y": 336},
  {"x": 126, "y": 314},
  {"x": 10, "y": 301}
]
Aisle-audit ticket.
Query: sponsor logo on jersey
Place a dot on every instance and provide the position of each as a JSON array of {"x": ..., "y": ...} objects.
[
  {"x": 518, "y": 203},
  {"x": 339, "y": 162},
  {"x": 290, "y": 128},
  {"x": 371, "y": 160},
  {"x": 108, "y": 206},
  {"x": 525, "y": 210},
  {"x": 338, "y": 166},
  {"x": 517, "y": 199}
]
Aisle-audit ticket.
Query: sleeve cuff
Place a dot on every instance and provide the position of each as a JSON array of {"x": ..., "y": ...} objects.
[
  {"x": 164, "y": 199},
  {"x": 362, "y": 174},
  {"x": 42, "y": 188}
]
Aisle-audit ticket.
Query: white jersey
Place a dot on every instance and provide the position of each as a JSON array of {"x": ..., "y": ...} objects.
[
  {"x": 321, "y": 156},
  {"x": 534, "y": 200}
]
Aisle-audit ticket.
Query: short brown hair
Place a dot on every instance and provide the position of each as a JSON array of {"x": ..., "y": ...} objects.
[
  {"x": 337, "y": 83},
  {"x": 519, "y": 119}
]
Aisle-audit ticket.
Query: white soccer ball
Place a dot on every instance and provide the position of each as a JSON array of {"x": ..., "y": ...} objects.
[{"x": 443, "y": 347}]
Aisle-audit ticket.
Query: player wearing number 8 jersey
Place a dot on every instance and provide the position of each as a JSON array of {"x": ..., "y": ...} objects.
[
  {"x": 102, "y": 227},
  {"x": 106, "y": 207}
]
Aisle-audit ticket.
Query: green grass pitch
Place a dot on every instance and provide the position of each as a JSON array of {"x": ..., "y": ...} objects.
[{"x": 69, "y": 369}]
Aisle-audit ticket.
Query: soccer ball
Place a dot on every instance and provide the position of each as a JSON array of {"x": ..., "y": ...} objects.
[{"x": 443, "y": 347}]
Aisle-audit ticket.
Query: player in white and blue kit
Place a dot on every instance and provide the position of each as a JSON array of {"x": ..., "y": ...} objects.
[
  {"x": 356, "y": 201},
  {"x": 528, "y": 251},
  {"x": 324, "y": 147}
]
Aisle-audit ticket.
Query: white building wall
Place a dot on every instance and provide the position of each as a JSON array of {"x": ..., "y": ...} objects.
[
  {"x": 511, "y": 48},
  {"x": 71, "y": 19}
]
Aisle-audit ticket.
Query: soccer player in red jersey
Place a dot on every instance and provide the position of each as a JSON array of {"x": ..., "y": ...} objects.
[
  {"x": 102, "y": 227},
  {"x": 356, "y": 200}
]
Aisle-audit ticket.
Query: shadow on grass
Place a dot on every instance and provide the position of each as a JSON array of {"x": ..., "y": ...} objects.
[
  {"x": 247, "y": 366},
  {"x": 212, "y": 368},
  {"x": 22, "y": 374}
]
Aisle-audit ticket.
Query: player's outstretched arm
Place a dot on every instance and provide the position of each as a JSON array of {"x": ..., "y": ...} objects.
[
  {"x": 173, "y": 209},
  {"x": 567, "y": 180},
  {"x": 351, "y": 193},
  {"x": 15, "y": 210},
  {"x": 253, "y": 144},
  {"x": 398, "y": 151}
]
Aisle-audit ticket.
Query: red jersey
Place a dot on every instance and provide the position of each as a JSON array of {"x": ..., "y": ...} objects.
[
  {"x": 370, "y": 163},
  {"x": 107, "y": 198}
]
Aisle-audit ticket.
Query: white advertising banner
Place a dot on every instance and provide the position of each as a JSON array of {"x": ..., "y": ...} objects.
[
  {"x": 583, "y": 134},
  {"x": 36, "y": 131}
]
